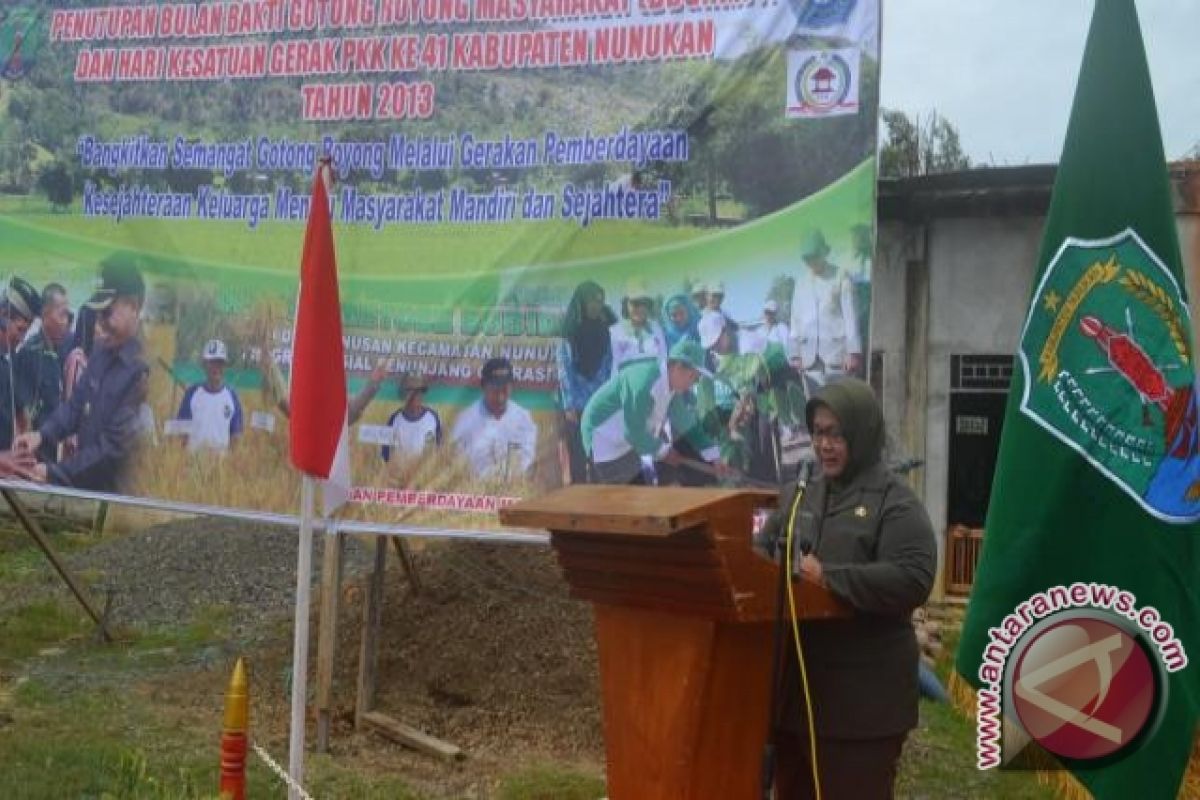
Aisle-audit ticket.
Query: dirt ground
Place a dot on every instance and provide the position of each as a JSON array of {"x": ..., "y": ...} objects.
[{"x": 490, "y": 655}]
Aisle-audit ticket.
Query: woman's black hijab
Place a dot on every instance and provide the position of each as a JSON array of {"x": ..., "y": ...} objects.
[{"x": 588, "y": 337}]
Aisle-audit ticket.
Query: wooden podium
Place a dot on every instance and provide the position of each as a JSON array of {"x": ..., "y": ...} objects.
[{"x": 684, "y": 624}]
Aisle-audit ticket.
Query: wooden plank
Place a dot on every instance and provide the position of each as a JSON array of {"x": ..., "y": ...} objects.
[
  {"x": 331, "y": 590},
  {"x": 649, "y": 586},
  {"x": 34, "y": 529},
  {"x": 679, "y": 548},
  {"x": 724, "y": 612},
  {"x": 368, "y": 658},
  {"x": 409, "y": 736},
  {"x": 631, "y": 569},
  {"x": 652, "y": 511}
]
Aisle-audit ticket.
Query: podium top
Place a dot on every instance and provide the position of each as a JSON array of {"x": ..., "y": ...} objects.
[{"x": 631, "y": 510}]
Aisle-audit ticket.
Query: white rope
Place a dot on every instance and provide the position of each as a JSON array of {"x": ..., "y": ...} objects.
[{"x": 296, "y": 789}]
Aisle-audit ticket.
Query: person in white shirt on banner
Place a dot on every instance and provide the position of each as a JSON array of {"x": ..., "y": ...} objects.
[
  {"x": 824, "y": 343},
  {"x": 715, "y": 298},
  {"x": 416, "y": 428},
  {"x": 637, "y": 336},
  {"x": 496, "y": 436},
  {"x": 757, "y": 335},
  {"x": 214, "y": 409}
]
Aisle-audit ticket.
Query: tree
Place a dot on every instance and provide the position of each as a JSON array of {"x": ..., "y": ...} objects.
[
  {"x": 55, "y": 180},
  {"x": 919, "y": 146}
]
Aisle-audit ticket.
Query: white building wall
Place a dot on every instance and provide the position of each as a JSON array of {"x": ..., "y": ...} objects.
[
  {"x": 980, "y": 276},
  {"x": 980, "y": 271}
]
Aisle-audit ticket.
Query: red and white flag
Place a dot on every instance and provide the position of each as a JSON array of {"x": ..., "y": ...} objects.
[{"x": 320, "y": 436}]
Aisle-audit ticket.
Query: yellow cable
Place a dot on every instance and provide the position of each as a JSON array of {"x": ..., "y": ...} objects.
[{"x": 812, "y": 733}]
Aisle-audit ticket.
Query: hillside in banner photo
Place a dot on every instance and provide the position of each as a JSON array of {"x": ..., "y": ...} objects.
[{"x": 740, "y": 162}]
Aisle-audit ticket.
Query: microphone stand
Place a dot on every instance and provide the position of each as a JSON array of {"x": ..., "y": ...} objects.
[{"x": 767, "y": 776}]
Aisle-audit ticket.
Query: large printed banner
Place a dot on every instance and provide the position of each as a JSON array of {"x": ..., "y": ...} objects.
[{"x": 570, "y": 233}]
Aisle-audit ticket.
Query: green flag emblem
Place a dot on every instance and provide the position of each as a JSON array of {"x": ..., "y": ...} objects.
[{"x": 1108, "y": 370}]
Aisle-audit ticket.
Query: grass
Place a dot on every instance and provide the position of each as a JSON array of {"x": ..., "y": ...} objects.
[
  {"x": 31, "y": 628},
  {"x": 939, "y": 763},
  {"x": 939, "y": 757},
  {"x": 550, "y": 782},
  {"x": 106, "y": 743}
]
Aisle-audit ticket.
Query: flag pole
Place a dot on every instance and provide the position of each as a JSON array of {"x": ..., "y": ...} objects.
[{"x": 300, "y": 644}]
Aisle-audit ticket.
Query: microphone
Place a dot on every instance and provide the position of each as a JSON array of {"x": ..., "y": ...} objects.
[
  {"x": 805, "y": 472},
  {"x": 803, "y": 476},
  {"x": 907, "y": 465}
]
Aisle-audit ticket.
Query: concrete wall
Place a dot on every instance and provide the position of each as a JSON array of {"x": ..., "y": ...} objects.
[
  {"x": 976, "y": 274},
  {"x": 980, "y": 275}
]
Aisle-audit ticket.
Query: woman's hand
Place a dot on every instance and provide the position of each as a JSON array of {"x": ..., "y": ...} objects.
[{"x": 810, "y": 570}]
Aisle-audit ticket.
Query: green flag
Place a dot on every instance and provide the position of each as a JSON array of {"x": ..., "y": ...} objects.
[{"x": 1092, "y": 528}]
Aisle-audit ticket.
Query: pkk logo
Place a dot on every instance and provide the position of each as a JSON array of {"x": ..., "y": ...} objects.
[
  {"x": 823, "y": 82},
  {"x": 22, "y": 34},
  {"x": 1108, "y": 365}
]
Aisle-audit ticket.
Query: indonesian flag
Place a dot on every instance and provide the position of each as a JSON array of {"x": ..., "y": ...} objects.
[{"x": 319, "y": 430}]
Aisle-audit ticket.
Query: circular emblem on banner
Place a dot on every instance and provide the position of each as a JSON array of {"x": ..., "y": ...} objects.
[
  {"x": 1084, "y": 686},
  {"x": 822, "y": 82}
]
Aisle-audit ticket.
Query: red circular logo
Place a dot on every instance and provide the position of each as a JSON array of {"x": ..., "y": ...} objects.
[{"x": 1083, "y": 687}]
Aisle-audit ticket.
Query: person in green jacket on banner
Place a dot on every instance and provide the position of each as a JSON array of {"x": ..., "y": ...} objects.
[
  {"x": 627, "y": 417},
  {"x": 746, "y": 399}
]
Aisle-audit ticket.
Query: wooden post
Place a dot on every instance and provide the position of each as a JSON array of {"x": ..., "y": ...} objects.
[
  {"x": 372, "y": 620},
  {"x": 331, "y": 589},
  {"x": 365, "y": 717},
  {"x": 100, "y": 518},
  {"x": 34, "y": 529},
  {"x": 410, "y": 569}
]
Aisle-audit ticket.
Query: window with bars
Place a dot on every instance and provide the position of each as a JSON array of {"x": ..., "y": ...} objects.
[{"x": 986, "y": 373}]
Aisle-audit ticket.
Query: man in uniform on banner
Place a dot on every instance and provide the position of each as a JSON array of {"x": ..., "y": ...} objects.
[
  {"x": 496, "y": 436},
  {"x": 18, "y": 309},
  {"x": 416, "y": 427},
  {"x": 626, "y": 418},
  {"x": 213, "y": 407},
  {"x": 825, "y": 342},
  {"x": 40, "y": 360},
  {"x": 104, "y": 410}
]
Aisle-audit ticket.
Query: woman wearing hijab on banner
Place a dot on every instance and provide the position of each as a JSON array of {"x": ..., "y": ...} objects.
[
  {"x": 861, "y": 532},
  {"x": 584, "y": 363},
  {"x": 680, "y": 318},
  {"x": 638, "y": 335}
]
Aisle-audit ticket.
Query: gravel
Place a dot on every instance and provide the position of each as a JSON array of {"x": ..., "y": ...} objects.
[{"x": 169, "y": 573}]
